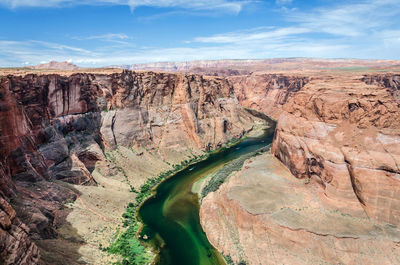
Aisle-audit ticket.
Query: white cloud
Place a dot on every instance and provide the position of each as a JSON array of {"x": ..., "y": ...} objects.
[
  {"x": 349, "y": 30},
  {"x": 35, "y": 52},
  {"x": 109, "y": 36},
  {"x": 352, "y": 20},
  {"x": 253, "y": 35},
  {"x": 60, "y": 47},
  {"x": 118, "y": 38},
  {"x": 232, "y": 6},
  {"x": 18, "y": 52},
  {"x": 368, "y": 30},
  {"x": 31, "y": 3}
]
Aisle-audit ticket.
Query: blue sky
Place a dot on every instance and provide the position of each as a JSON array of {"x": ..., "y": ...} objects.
[{"x": 107, "y": 32}]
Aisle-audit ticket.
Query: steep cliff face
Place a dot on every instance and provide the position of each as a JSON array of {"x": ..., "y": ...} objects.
[
  {"x": 267, "y": 92},
  {"x": 15, "y": 247},
  {"x": 390, "y": 81},
  {"x": 59, "y": 128},
  {"x": 344, "y": 135},
  {"x": 337, "y": 133},
  {"x": 339, "y": 136},
  {"x": 169, "y": 111},
  {"x": 163, "y": 111}
]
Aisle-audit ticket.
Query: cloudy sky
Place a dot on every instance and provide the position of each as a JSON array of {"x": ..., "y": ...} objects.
[{"x": 106, "y": 32}]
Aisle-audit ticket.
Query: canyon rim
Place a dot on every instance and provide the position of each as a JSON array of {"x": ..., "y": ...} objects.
[{"x": 223, "y": 132}]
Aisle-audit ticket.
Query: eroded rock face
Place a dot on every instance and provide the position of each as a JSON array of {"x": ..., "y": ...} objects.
[
  {"x": 390, "y": 81},
  {"x": 56, "y": 128},
  {"x": 344, "y": 134},
  {"x": 263, "y": 215},
  {"x": 167, "y": 111},
  {"x": 339, "y": 131},
  {"x": 267, "y": 93},
  {"x": 338, "y": 134},
  {"x": 15, "y": 245}
]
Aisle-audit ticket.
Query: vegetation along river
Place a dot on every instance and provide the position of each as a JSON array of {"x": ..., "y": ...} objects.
[{"x": 171, "y": 216}]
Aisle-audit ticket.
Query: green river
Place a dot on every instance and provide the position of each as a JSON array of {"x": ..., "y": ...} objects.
[{"x": 171, "y": 216}]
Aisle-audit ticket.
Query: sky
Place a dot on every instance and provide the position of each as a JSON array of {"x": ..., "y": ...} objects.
[{"x": 96, "y": 33}]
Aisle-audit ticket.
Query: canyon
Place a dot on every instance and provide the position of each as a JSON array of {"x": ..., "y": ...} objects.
[
  {"x": 74, "y": 144},
  {"x": 332, "y": 197},
  {"x": 90, "y": 139}
]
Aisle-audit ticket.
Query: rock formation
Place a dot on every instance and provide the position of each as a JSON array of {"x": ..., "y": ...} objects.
[
  {"x": 15, "y": 245},
  {"x": 338, "y": 133},
  {"x": 55, "y": 66},
  {"x": 344, "y": 135},
  {"x": 263, "y": 215},
  {"x": 267, "y": 93},
  {"x": 55, "y": 129},
  {"x": 244, "y": 67}
]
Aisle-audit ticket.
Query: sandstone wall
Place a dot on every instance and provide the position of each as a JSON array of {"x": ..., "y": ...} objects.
[
  {"x": 263, "y": 215},
  {"x": 338, "y": 134},
  {"x": 344, "y": 134},
  {"x": 15, "y": 245},
  {"x": 267, "y": 93},
  {"x": 56, "y": 128}
]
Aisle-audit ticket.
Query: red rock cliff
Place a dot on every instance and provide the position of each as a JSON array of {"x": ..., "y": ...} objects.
[
  {"x": 339, "y": 136},
  {"x": 56, "y": 127},
  {"x": 267, "y": 92},
  {"x": 344, "y": 134}
]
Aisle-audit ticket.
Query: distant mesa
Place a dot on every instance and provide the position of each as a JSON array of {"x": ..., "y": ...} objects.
[
  {"x": 56, "y": 66},
  {"x": 244, "y": 67}
]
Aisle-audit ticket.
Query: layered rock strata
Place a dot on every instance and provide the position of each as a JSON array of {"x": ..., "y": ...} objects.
[
  {"x": 267, "y": 93},
  {"x": 113, "y": 131},
  {"x": 344, "y": 134},
  {"x": 89, "y": 138},
  {"x": 339, "y": 137},
  {"x": 15, "y": 245},
  {"x": 263, "y": 215}
]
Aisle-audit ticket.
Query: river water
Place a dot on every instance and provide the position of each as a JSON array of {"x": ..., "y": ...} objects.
[{"x": 171, "y": 216}]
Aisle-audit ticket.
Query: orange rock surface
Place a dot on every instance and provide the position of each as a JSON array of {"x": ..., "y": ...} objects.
[
  {"x": 344, "y": 134},
  {"x": 263, "y": 215},
  {"x": 338, "y": 134}
]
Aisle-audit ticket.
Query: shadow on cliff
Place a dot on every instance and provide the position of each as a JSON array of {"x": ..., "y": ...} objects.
[
  {"x": 79, "y": 134},
  {"x": 45, "y": 205},
  {"x": 64, "y": 249}
]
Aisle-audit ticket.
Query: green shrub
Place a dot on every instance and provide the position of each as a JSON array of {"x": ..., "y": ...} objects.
[
  {"x": 228, "y": 259},
  {"x": 129, "y": 247}
]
